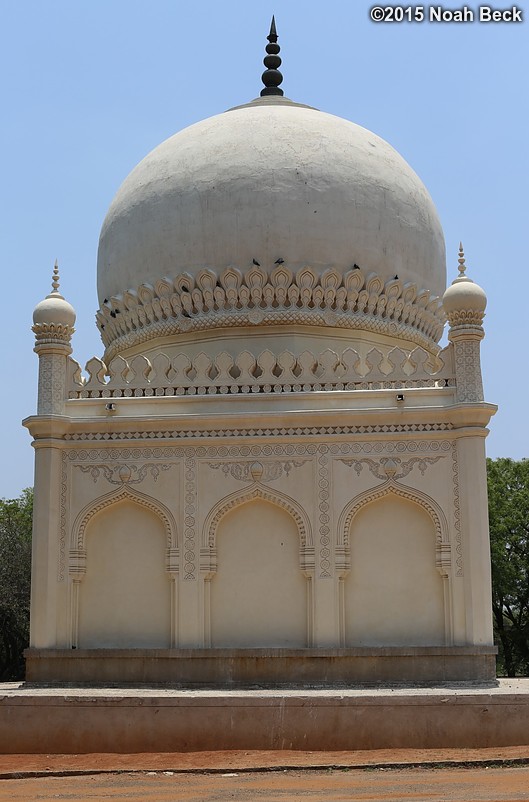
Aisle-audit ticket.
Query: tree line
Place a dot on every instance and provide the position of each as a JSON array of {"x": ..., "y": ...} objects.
[{"x": 508, "y": 488}]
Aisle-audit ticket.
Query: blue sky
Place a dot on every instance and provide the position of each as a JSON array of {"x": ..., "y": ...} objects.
[{"x": 90, "y": 86}]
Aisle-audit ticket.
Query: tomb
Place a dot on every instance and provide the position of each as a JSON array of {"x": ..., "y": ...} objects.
[{"x": 274, "y": 474}]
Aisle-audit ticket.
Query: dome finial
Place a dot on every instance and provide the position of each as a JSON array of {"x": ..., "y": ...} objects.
[
  {"x": 462, "y": 266},
  {"x": 55, "y": 280},
  {"x": 271, "y": 77},
  {"x": 53, "y": 310}
]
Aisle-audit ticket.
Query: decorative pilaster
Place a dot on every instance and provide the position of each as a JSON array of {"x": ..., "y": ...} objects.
[
  {"x": 464, "y": 303},
  {"x": 469, "y": 385}
]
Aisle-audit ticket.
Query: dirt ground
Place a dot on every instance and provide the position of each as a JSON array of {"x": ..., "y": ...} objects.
[
  {"x": 445, "y": 775},
  {"x": 420, "y": 785}
]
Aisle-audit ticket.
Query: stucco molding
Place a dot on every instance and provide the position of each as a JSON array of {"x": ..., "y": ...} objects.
[
  {"x": 391, "y": 467},
  {"x": 257, "y": 471},
  {"x": 443, "y": 551},
  {"x": 256, "y": 297},
  {"x": 163, "y": 433},
  {"x": 124, "y": 474},
  {"x": 457, "y": 511},
  {"x": 208, "y": 554},
  {"x": 78, "y": 534}
]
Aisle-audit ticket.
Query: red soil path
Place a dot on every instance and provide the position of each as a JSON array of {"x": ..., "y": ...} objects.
[{"x": 476, "y": 784}]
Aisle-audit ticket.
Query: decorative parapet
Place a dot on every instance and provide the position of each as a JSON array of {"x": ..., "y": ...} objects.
[
  {"x": 254, "y": 297},
  {"x": 264, "y": 373}
]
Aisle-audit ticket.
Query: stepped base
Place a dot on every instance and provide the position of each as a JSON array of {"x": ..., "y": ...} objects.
[
  {"x": 238, "y": 668},
  {"x": 126, "y": 720}
]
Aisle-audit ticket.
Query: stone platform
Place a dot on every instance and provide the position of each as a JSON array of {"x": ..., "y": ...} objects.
[{"x": 71, "y": 720}]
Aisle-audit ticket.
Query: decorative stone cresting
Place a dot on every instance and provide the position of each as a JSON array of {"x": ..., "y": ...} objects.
[
  {"x": 255, "y": 297},
  {"x": 264, "y": 373}
]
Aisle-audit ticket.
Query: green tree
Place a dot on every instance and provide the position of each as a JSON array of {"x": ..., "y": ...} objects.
[
  {"x": 15, "y": 579},
  {"x": 508, "y": 486}
]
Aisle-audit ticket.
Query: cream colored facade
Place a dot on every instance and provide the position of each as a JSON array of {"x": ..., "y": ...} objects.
[{"x": 274, "y": 455}]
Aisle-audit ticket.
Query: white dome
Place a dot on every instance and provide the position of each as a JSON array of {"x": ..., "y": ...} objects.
[
  {"x": 464, "y": 295},
  {"x": 266, "y": 181},
  {"x": 54, "y": 310},
  {"x": 464, "y": 301}
]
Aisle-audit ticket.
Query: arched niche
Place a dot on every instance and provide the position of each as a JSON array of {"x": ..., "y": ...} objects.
[
  {"x": 124, "y": 598},
  {"x": 394, "y": 593},
  {"x": 258, "y": 594}
]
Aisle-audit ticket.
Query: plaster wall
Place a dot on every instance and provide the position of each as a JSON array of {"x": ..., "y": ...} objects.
[
  {"x": 394, "y": 592},
  {"x": 258, "y": 593},
  {"x": 125, "y": 597},
  {"x": 265, "y": 541}
]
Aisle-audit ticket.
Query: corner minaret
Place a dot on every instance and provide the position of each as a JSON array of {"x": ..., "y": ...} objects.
[
  {"x": 271, "y": 77},
  {"x": 53, "y": 325},
  {"x": 464, "y": 303}
]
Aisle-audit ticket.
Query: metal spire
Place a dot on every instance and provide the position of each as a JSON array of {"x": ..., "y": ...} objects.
[{"x": 271, "y": 77}]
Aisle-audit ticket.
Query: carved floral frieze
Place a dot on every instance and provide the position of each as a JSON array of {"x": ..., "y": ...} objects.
[
  {"x": 124, "y": 474},
  {"x": 257, "y": 471},
  {"x": 390, "y": 467}
]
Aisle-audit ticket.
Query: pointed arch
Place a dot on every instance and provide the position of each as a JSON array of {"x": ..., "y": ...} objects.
[
  {"x": 78, "y": 558},
  {"x": 288, "y": 618},
  {"x": 267, "y": 494},
  {"x": 443, "y": 551},
  {"x": 124, "y": 493}
]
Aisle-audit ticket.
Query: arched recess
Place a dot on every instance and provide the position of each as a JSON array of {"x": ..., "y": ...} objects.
[
  {"x": 258, "y": 569},
  {"x": 395, "y": 588},
  {"x": 123, "y": 567}
]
